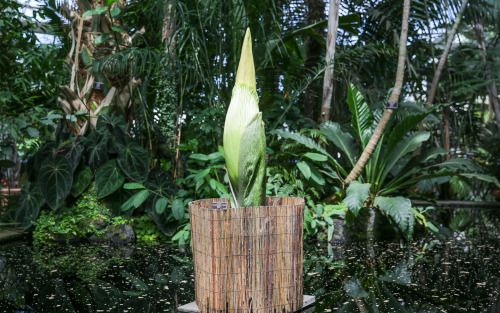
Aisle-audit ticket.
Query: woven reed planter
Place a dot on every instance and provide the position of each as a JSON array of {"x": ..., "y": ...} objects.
[{"x": 248, "y": 259}]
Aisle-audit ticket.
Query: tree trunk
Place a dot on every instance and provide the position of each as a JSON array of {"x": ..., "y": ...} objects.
[
  {"x": 396, "y": 91},
  {"x": 444, "y": 56},
  {"x": 315, "y": 13},
  {"x": 491, "y": 87},
  {"x": 333, "y": 24}
]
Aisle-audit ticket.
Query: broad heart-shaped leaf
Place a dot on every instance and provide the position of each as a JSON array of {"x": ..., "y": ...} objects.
[
  {"x": 356, "y": 195},
  {"x": 405, "y": 146},
  {"x": 133, "y": 160},
  {"x": 55, "y": 179},
  {"x": 108, "y": 178},
  {"x": 252, "y": 165},
  {"x": 48, "y": 150},
  {"x": 399, "y": 209},
  {"x": 343, "y": 140},
  {"x": 362, "y": 117},
  {"x": 309, "y": 143},
  {"x": 73, "y": 152},
  {"x": 81, "y": 181},
  {"x": 111, "y": 124},
  {"x": 29, "y": 203},
  {"x": 97, "y": 147}
]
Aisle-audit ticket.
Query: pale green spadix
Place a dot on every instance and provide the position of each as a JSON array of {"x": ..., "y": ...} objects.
[{"x": 244, "y": 137}]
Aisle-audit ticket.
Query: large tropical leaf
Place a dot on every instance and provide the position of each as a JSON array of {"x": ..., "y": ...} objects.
[
  {"x": 405, "y": 146},
  {"x": 108, "y": 178},
  {"x": 81, "y": 181},
  {"x": 362, "y": 117},
  {"x": 399, "y": 209},
  {"x": 343, "y": 140},
  {"x": 55, "y": 179},
  {"x": 97, "y": 147},
  {"x": 133, "y": 160},
  {"x": 114, "y": 124},
  {"x": 73, "y": 152},
  {"x": 402, "y": 128},
  {"x": 29, "y": 204},
  {"x": 483, "y": 177},
  {"x": 356, "y": 195}
]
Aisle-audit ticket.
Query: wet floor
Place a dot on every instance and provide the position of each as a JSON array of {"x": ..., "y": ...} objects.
[{"x": 431, "y": 275}]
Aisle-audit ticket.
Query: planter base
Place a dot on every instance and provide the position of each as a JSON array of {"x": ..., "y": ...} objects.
[{"x": 193, "y": 308}]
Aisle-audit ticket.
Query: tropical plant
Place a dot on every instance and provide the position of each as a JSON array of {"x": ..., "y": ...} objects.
[
  {"x": 392, "y": 169},
  {"x": 62, "y": 169},
  {"x": 244, "y": 135}
]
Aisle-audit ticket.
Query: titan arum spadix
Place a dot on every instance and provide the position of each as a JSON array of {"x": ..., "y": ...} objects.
[{"x": 244, "y": 137}]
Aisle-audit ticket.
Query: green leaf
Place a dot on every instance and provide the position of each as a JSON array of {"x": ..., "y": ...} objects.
[
  {"x": 117, "y": 28},
  {"x": 460, "y": 185},
  {"x": 309, "y": 143},
  {"x": 101, "y": 38},
  {"x": 201, "y": 175},
  {"x": 133, "y": 186},
  {"x": 81, "y": 181},
  {"x": 97, "y": 147},
  {"x": 29, "y": 204},
  {"x": 111, "y": 2},
  {"x": 55, "y": 179},
  {"x": 362, "y": 117},
  {"x": 405, "y": 146},
  {"x": 33, "y": 132},
  {"x": 199, "y": 156},
  {"x": 316, "y": 175},
  {"x": 161, "y": 185},
  {"x": 115, "y": 12},
  {"x": 161, "y": 205},
  {"x": 483, "y": 177},
  {"x": 139, "y": 198},
  {"x": 100, "y": 10},
  {"x": 88, "y": 13},
  {"x": 178, "y": 209},
  {"x": 398, "y": 208},
  {"x": 316, "y": 157},
  {"x": 73, "y": 152},
  {"x": 304, "y": 169},
  {"x": 108, "y": 179},
  {"x": 133, "y": 160},
  {"x": 356, "y": 195},
  {"x": 136, "y": 282},
  {"x": 343, "y": 140},
  {"x": 113, "y": 123}
]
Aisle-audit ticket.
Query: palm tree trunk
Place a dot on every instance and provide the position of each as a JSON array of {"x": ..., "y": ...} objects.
[
  {"x": 333, "y": 24},
  {"x": 444, "y": 56},
  {"x": 491, "y": 87},
  {"x": 396, "y": 91},
  {"x": 315, "y": 13}
]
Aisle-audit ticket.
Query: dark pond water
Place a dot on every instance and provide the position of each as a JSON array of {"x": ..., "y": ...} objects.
[{"x": 454, "y": 274}]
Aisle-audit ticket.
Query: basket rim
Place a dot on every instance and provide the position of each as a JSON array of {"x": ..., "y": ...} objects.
[{"x": 197, "y": 203}]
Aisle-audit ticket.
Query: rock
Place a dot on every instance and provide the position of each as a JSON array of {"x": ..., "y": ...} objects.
[{"x": 120, "y": 234}]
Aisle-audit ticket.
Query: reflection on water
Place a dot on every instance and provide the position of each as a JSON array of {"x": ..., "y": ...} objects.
[{"x": 427, "y": 276}]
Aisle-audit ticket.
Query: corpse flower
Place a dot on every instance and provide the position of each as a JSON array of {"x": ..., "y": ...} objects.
[{"x": 244, "y": 137}]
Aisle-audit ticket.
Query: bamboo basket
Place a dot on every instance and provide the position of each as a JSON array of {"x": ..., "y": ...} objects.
[{"x": 248, "y": 260}]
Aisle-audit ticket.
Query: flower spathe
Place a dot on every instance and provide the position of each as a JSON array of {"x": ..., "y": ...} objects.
[{"x": 244, "y": 134}]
